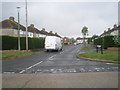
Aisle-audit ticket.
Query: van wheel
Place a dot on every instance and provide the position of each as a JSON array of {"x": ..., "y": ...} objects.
[{"x": 47, "y": 50}]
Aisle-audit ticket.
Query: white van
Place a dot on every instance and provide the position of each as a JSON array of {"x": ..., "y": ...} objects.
[{"x": 53, "y": 43}]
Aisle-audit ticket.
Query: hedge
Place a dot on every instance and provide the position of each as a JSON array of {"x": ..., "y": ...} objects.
[
  {"x": 106, "y": 41},
  {"x": 98, "y": 41},
  {"x": 11, "y": 43}
]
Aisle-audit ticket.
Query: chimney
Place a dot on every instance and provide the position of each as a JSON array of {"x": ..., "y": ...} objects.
[
  {"x": 43, "y": 29},
  {"x": 108, "y": 29},
  {"x": 104, "y": 31},
  {"x": 50, "y": 32},
  {"x": 11, "y": 18},
  {"x": 56, "y": 34},
  {"x": 32, "y": 25},
  {"x": 115, "y": 26}
]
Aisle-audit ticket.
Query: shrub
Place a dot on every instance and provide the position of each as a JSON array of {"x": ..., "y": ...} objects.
[
  {"x": 108, "y": 41},
  {"x": 98, "y": 41}
]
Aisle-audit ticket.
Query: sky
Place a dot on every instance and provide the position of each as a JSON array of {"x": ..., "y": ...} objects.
[{"x": 66, "y": 18}]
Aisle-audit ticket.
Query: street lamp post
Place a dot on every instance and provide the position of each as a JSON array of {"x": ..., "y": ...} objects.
[{"x": 18, "y": 29}]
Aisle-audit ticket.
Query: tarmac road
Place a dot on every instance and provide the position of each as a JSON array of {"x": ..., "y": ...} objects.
[
  {"x": 56, "y": 62},
  {"x": 58, "y": 70}
]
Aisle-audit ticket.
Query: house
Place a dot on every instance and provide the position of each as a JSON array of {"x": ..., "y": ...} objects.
[
  {"x": 80, "y": 40},
  {"x": 34, "y": 32},
  {"x": 114, "y": 31},
  {"x": 57, "y": 35},
  {"x": 10, "y": 27},
  {"x": 44, "y": 33},
  {"x": 66, "y": 40}
]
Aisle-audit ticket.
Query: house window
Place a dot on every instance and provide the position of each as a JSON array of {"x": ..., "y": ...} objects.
[
  {"x": 114, "y": 32},
  {"x": 15, "y": 31},
  {"x": 21, "y": 32},
  {"x": 30, "y": 34},
  {"x": 24, "y": 32}
]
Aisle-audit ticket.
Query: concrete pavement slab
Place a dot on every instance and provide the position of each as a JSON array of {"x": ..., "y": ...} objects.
[{"x": 64, "y": 80}]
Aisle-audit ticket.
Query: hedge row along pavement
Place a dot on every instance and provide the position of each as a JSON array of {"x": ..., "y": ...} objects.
[
  {"x": 11, "y": 43},
  {"x": 106, "y": 41}
]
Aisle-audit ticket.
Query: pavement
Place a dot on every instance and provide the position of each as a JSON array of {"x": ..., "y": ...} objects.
[
  {"x": 58, "y": 70},
  {"x": 63, "y": 80}
]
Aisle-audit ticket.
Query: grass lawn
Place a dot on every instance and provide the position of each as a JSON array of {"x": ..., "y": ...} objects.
[
  {"x": 85, "y": 47},
  {"x": 107, "y": 55},
  {"x": 9, "y": 55}
]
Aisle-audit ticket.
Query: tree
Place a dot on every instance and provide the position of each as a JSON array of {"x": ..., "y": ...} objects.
[{"x": 84, "y": 32}]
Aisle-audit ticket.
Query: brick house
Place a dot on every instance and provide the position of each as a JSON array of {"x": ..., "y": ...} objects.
[{"x": 66, "y": 40}]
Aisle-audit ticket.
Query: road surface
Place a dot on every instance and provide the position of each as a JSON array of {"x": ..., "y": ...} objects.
[
  {"x": 57, "y": 62},
  {"x": 58, "y": 70}
]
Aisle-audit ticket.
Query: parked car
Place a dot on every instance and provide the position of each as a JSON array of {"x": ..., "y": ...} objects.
[{"x": 53, "y": 43}]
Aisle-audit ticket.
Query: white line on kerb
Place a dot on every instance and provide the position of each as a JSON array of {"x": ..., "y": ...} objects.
[{"x": 31, "y": 67}]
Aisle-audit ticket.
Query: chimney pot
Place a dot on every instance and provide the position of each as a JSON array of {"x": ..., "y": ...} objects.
[
  {"x": 115, "y": 26},
  {"x": 108, "y": 29},
  {"x": 11, "y": 18},
  {"x": 32, "y": 25}
]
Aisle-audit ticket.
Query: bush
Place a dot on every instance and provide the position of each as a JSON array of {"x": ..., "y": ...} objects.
[
  {"x": 98, "y": 41},
  {"x": 9, "y": 42},
  {"x": 106, "y": 41}
]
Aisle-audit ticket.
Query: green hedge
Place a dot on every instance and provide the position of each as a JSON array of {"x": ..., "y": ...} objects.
[
  {"x": 98, "y": 41},
  {"x": 109, "y": 41},
  {"x": 106, "y": 41},
  {"x": 9, "y": 43}
]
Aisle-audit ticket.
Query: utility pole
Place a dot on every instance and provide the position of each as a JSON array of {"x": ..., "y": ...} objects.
[
  {"x": 26, "y": 28},
  {"x": 18, "y": 29}
]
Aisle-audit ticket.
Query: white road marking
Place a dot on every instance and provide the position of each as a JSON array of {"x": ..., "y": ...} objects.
[
  {"x": 31, "y": 67},
  {"x": 51, "y": 58},
  {"x": 89, "y": 70},
  {"x": 61, "y": 52},
  {"x": 9, "y": 72},
  {"x": 77, "y": 59},
  {"x": 97, "y": 68}
]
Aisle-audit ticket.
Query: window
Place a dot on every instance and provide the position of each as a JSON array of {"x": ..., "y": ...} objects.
[
  {"x": 15, "y": 31},
  {"x": 21, "y": 32},
  {"x": 24, "y": 32},
  {"x": 30, "y": 34}
]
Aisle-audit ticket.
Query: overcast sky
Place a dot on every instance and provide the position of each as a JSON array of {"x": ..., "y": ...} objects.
[{"x": 66, "y": 18}]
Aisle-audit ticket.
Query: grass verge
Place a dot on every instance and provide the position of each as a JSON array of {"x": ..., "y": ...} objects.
[
  {"x": 107, "y": 55},
  {"x": 85, "y": 47},
  {"x": 10, "y": 55}
]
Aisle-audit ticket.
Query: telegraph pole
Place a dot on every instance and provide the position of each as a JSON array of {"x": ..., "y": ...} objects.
[{"x": 26, "y": 28}]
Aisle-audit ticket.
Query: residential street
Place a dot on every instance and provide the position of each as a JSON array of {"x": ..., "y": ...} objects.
[
  {"x": 57, "y": 62},
  {"x": 60, "y": 44},
  {"x": 59, "y": 70}
]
